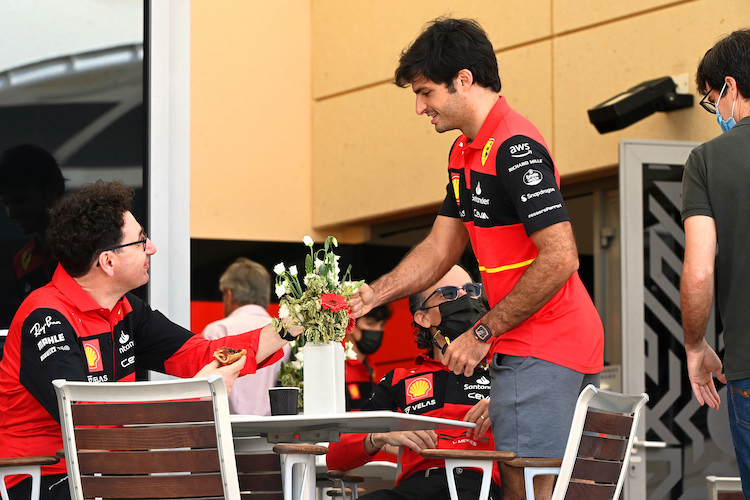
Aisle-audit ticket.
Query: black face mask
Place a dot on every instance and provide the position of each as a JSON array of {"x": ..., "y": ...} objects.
[
  {"x": 370, "y": 341},
  {"x": 457, "y": 316}
]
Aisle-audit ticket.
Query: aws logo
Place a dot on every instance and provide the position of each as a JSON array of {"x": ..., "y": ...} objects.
[
  {"x": 419, "y": 388},
  {"x": 93, "y": 355},
  {"x": 520, "y": 150}
]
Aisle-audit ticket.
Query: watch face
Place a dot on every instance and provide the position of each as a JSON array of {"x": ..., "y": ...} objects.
[{"x": 482, "y": 332}]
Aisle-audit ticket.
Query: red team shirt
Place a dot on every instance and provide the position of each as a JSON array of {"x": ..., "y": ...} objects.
[{"x": 504, "y": 186}]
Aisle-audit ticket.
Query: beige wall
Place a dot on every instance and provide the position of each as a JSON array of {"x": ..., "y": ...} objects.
[{"x": 296, "y": 123}]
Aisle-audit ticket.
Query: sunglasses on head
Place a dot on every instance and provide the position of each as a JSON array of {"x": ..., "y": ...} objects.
[{"x": 450, "y": 293}]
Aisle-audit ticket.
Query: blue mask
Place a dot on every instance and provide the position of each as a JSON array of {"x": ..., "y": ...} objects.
[{"x": 729, "y": 123}]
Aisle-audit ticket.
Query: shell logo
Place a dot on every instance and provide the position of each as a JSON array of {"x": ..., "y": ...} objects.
[
  {"x": 419, "y": 388},
  {"x": 93, "y": 355}
]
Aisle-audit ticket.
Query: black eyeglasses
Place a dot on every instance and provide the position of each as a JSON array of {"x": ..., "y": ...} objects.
[
  {"x": 450, "y": 293},
  {"x": 143, "y": 241},
  {"x": 708, "y": 105}
]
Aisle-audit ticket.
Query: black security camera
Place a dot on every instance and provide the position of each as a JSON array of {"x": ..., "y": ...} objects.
[{"x": 637, "y": 103}]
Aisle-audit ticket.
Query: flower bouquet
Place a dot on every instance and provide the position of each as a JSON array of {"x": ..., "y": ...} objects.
[
  {"x": 321, "y": 307},
  {"x": 318, "y": 302}
]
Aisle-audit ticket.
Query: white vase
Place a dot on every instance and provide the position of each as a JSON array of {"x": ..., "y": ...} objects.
[{"x": 323, "y": 376}]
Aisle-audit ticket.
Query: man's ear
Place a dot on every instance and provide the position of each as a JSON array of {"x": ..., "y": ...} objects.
[
  {"x": 420, "y": 317},
  {"x": 106, "y": 263},
  {"x": 464, "y": 78}
]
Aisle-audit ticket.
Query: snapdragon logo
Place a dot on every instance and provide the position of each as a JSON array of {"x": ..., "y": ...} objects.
[{"x": 541, "y": 192}]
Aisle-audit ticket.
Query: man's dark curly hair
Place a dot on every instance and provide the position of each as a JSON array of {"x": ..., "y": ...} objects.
[
  {"x": 446, "y": 47},
  {"x": 85, "y": 223}
]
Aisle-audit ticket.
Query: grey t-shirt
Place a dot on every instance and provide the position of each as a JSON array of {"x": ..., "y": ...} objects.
[{"x": 716, "y": 183}]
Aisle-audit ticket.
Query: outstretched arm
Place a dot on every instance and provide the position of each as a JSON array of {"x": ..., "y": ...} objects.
[
  {"x": 423, "y": 265},
  {"x": 696, "y": 300}
]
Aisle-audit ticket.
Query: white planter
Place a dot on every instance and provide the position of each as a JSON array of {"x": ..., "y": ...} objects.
[{"x": 324, "y": 379}]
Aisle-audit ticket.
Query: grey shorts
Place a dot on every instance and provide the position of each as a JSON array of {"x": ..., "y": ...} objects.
[{"x": 532, "y": 403}]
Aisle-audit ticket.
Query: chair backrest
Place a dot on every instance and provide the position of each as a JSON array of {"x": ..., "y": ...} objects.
[
  {"x": 165, "y": 439},
  {"x": 599, "y": 445}
]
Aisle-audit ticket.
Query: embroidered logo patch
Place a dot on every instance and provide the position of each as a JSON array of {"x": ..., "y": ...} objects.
[
  {"x": 93, "y": 355},
  {"x": 419, "y": 388}
]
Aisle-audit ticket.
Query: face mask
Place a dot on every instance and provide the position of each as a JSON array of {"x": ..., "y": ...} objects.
[
  {"x": 459, "y": 315},
  {"x": 729, "y": 123},
  {"x": 370, "y": 341}
]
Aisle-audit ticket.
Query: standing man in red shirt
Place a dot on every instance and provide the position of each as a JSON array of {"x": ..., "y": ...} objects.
[{"x": 543, "y": 336}]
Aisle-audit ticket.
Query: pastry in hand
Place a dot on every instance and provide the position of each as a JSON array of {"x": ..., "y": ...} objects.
[{"x": 227, "y": 355}]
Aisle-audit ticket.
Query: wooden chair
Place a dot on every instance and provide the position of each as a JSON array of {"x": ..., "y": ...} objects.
[
  {"x": 27, "y": 466},
  {"x": 598, "y": 450},
  {"x": 724, "y": 488},
  {"x": 477, "y": 459},
  {"x": 348, "y": 484},
  {"x": 166, "y": 439}
]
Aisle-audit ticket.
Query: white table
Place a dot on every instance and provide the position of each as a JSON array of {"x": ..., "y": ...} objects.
[{"x": 329, "y": 427}]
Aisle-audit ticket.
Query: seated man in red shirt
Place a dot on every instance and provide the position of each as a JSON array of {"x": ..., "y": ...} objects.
[
  {"x": 441, "y": 313},
  {"x": 85, "y": 325},
  {"x": 366, "y": 338}
]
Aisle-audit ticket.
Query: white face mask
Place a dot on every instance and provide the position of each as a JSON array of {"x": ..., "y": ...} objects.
[{"x": 728, "y": 123}]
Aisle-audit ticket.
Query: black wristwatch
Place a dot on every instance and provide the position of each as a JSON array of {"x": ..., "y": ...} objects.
[
  {"x": 482, "y": 332},
  {"x": 286, "y": 335}
]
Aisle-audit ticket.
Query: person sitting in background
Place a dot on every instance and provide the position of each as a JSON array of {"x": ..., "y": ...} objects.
[
  {"x": 246, "y": 292},
  {"x": 30, "y": 184},
  {"x": 366, "y": 339},
  {"x": 85, "y": 326},
  {"x": 441, "y": 313}
]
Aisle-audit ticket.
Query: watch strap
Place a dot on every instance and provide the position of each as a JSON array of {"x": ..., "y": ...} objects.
[{"x": 286, "y": 335}]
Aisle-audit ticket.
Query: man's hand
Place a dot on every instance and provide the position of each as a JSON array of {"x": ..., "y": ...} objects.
[
  {"x": 702, "y": 362},
  {"x": 480, "y": 415},
  {"x": 362, "y": 301},
  {"x": 415, "y": 440},
  {"x": 465, "y": 353},
  {"x": 228, "y": 372}
]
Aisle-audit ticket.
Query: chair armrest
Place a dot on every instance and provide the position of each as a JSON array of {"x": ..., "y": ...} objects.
[
  {"x": 534, "y": 462},
  {"x": 498, "y": 456},
  {"x": 21, "y": 461}
]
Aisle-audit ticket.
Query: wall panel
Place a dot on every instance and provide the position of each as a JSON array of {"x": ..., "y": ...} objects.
[
  {"x": 593, "y": 65},
  {"x": 358, "y": 43}
]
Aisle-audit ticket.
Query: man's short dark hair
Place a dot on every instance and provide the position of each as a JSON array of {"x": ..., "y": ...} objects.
[
  {"x": 379, "y": 313},
  {"x": 26, "y": 166},
  {"x": 729, "y": 57},
  {"x": 446, "y": 47},
  {"x": 249, "y": 281},
  {"x": 85, "y": 223}
]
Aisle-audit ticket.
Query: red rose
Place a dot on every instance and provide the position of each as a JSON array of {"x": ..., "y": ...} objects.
[{"x": 333, "y": 302}]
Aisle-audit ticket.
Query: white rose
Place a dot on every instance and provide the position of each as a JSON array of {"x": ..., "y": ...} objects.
[
  {"x": 280, "y": 290},
  {"x": 293, "y": 270},
  {"x": 307, "y": 241},
  {"x": 283, "y": 311},
  {"x": 279, "y": 268}
]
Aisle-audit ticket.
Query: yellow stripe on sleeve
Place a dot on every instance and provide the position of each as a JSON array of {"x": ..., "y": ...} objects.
[{"x": 506, "y": 268}]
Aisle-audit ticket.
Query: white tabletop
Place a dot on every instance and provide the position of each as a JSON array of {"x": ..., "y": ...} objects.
[{"x": 328, "y": 427}]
